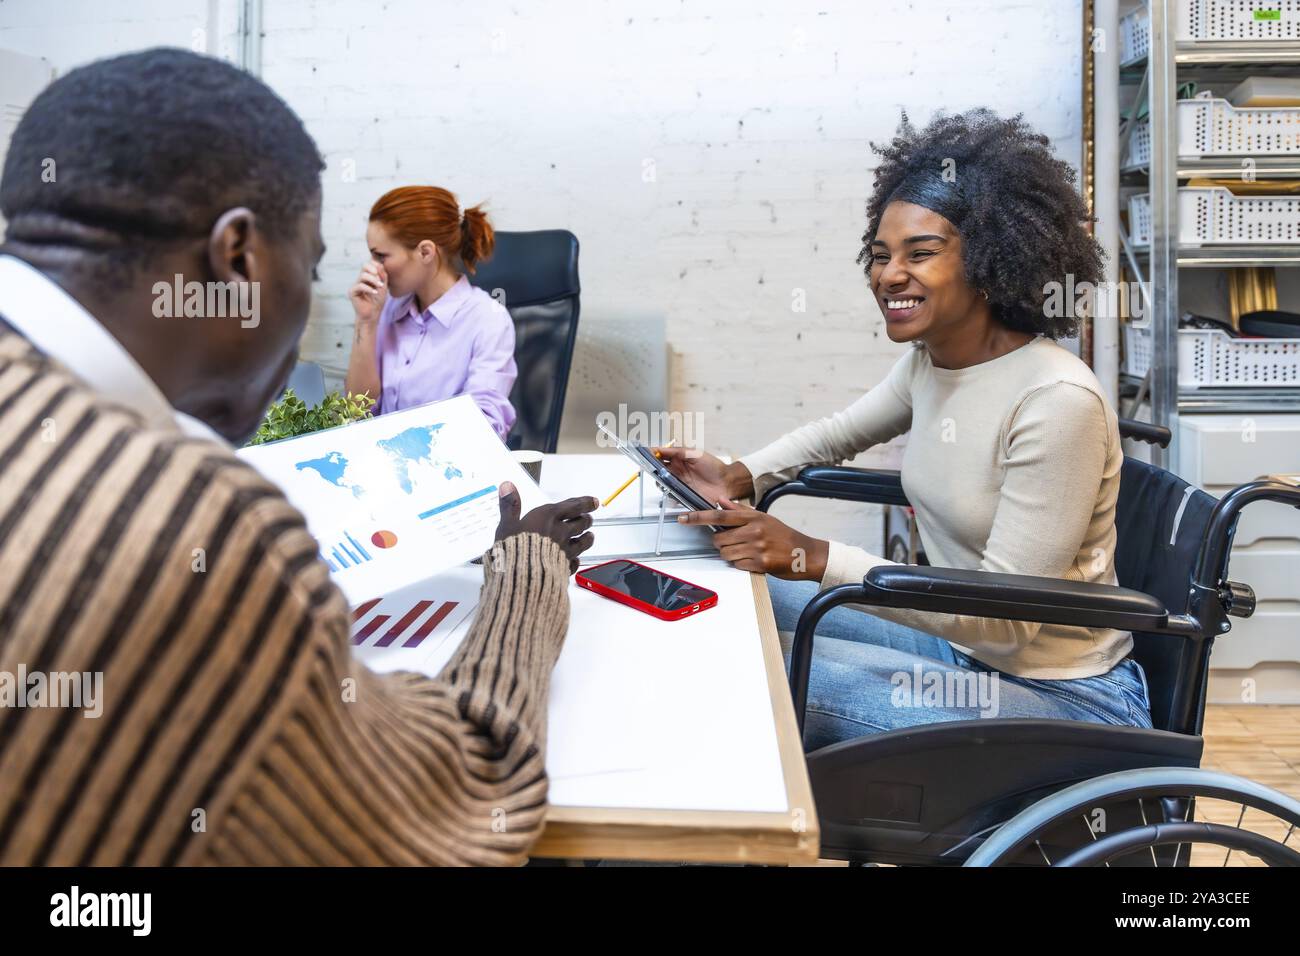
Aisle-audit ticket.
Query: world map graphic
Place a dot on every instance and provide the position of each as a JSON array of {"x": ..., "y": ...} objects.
[{"x": 411, "y": 455}]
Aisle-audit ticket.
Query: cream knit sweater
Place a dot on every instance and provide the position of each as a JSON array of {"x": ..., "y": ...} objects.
[{"x": 1012, "y": 465}]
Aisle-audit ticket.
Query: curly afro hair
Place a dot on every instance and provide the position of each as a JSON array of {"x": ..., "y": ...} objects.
[{"x": 1021, "y": 220}]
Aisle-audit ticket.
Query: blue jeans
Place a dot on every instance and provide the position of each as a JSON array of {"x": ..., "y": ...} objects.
[{"x": 871, "y": 675}]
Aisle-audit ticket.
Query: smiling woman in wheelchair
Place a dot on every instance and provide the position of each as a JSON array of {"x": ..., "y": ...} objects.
[{"x": 1012, "y": 462}]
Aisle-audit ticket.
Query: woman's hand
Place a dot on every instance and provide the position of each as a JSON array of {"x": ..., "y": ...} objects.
[
  {"x": 753, "y": 540},
  {"x": 370, "y": 292},
  {"x": 565, "y": 522},
  {"x": 708, "y": 474}
]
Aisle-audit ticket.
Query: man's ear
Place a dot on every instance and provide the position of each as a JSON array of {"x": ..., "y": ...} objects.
[{"x": 230, "y": 246}]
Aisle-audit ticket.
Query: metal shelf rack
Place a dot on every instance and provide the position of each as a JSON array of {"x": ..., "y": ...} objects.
[{"x": 1156, "y": 268}]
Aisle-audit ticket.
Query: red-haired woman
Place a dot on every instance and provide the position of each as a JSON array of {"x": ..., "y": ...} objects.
[{"x": 423, "y": 333}]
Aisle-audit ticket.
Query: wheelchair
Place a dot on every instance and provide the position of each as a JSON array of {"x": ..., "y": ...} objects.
[{"x": 1027, "y": 792}]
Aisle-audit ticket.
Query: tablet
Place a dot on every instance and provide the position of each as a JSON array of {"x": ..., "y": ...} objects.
[{"x": 644, "y": 458}]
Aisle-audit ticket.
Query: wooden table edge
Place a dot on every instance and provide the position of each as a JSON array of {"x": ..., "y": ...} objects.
[{"x": 706, "y": 836}]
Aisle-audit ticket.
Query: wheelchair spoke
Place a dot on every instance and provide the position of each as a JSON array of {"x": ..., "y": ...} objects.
[
  {"x": 1189, "y": 816},
  {"x": 1178, "y": 847},
  {"x": 1143, "y": 810},
  {"x": 1093, "y": 834},
  {"x": 1241, "y": 816},
  {"x": 1039, "y": 844},
  {"x": 1289, "y": 831}
]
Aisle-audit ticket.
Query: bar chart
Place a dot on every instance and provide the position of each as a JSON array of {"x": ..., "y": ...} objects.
[{"x": 403, "y": 628}]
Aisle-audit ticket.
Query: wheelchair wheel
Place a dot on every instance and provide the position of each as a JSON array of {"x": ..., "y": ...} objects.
[{"x": 1155, "y": 810}]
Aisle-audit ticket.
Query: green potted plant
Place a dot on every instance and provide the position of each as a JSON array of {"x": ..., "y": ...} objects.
[{"x": 290, "y": 416}]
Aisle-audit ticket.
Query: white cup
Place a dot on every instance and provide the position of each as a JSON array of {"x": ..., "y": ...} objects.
[{"x": 531, "y": 462}]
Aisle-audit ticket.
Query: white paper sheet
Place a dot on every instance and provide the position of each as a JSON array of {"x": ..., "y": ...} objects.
[
  {"x": 659, "y": 714},
  {"x": 649, "y": 713},
  {"x": 694, "y": 704},
  {"x": 593, "y": 676}
]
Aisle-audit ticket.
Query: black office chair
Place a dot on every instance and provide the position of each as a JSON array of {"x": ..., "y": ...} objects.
[
  {"x": 537, "y": 275},
  {"x": 1021, "y": 791}
]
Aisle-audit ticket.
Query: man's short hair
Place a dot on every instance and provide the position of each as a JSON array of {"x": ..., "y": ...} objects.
[{"x": 153, "y": 147}]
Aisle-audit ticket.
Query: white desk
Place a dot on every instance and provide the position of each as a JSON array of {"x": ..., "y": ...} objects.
[{"x": 668, "y": 740}]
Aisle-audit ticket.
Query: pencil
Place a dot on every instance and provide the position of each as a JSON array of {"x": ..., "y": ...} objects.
[{"x": 632, "y": 478}]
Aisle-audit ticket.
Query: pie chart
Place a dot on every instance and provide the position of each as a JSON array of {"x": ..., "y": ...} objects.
[{"x": 383, "y": 539}]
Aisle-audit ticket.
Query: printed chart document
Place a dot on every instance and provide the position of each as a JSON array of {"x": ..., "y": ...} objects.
[
  {"x": 394, "y": 502},
  {"x": 406, "y": 629}
]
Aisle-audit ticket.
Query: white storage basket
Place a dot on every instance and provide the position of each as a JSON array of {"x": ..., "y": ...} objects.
[
  {"x": 1138, "y": 154},
  {"x": 1214, "y": 216},
  {"x": 1210, "y": 358},
  {"x": 1139, "y": 219},
  {"x": 1208, "y": 126},
  {"x": 1215, "y": 21},
  {"x": 1134, "y": 36}
]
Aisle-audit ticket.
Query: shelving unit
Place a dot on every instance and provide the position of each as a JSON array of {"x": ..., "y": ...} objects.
[
  {"x": 1210, "y": 446},
  {"x": 1157, "y": 76}
]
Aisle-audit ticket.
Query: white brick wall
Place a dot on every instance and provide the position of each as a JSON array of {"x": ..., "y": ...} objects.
[
  {"x": 756, "y": 116},
  {"x": 69, "y": 33}
]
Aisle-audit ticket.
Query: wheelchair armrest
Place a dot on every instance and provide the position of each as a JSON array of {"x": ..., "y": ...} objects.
[
  {"x": 1016, "y": 597},
  {"x": 872, "y": 485}
]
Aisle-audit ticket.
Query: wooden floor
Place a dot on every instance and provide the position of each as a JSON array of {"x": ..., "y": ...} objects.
[{"x": 1261, "y": 743}]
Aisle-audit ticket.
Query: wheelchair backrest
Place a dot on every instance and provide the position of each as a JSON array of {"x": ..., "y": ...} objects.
[{"x": 1160, "y": 523}]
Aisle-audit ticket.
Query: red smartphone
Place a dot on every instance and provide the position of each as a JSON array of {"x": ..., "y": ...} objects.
[{"x": 658, "y": 594}]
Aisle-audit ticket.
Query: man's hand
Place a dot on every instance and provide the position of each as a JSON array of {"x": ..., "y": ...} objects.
[
  {"x": 565, "y": 522},
  {"x": 753, "y": 540}
]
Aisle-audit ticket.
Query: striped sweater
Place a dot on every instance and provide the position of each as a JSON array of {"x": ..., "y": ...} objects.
[{"x": 236, "y": 728}]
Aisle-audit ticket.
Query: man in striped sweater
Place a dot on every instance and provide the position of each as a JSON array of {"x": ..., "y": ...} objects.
[{"x": 232, "y": 725}]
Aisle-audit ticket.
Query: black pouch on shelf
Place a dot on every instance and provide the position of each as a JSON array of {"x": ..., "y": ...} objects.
[{"x": 1271, "y": 324}]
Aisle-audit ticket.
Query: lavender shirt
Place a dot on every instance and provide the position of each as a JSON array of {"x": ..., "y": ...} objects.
[{"x": 463, "y": 343}]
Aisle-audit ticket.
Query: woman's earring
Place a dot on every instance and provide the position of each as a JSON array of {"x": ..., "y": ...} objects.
[{"x": 984, "y": 292}]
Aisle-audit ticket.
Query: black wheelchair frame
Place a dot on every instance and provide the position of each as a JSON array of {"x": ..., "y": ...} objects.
[{"x": 942, "y": 793}]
